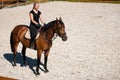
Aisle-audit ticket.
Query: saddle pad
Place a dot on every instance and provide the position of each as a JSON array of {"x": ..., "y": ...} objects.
[{"x": 27, "y": 35}]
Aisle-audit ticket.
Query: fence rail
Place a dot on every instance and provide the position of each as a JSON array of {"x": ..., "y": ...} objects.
[
  {"x": 10, "y": 3},
  {"x": 4, "y": 3}
]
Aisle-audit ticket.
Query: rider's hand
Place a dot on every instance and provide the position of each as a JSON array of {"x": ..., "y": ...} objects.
[
  {"x": 45, "y": 24},
  {"x": 38, "y": 26}
]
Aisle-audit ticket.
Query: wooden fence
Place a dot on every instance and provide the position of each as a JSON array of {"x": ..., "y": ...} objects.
[{"x": 10, "y": 3}]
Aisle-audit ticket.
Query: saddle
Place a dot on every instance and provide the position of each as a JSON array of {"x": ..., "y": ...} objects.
[{"x": 27, "y": 35}]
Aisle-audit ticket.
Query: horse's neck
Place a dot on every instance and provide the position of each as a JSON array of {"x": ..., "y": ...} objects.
[
  {"x": 50, "y": 34},
  {"x": 50, "y": 31}
]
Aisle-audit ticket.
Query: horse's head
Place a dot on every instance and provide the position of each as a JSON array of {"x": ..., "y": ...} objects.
[{"x": 60, "y": 29}]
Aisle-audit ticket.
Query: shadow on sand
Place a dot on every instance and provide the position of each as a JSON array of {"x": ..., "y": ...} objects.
[{"x": 19, "y": 60}]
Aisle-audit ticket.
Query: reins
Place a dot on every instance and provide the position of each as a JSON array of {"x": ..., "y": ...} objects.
[{"x": 55, "y": 36}]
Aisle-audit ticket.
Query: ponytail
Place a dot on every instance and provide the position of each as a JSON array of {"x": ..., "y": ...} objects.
[{"x": 34, "y": 4}]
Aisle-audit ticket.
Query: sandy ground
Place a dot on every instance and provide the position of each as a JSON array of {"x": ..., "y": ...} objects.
[{"x": 92, "y": 51}]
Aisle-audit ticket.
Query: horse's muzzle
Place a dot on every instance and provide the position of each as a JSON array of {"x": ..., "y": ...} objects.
[{"x": 64, "y": 36}]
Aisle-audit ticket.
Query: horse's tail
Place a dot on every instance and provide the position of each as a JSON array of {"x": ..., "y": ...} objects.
[{"x": 11, "y": 42}]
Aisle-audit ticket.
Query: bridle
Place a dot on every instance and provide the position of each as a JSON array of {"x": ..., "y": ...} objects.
[
  {"x": 55, "y": 36},
  {"x": 59, "y": 34}
]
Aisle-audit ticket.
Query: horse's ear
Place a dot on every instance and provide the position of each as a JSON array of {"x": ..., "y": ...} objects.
[
  {"x": 60, "y": 19},
  {"x": 56, "y": 18}
]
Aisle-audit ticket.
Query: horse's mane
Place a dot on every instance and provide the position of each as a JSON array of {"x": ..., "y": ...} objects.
[{"x": 50, "y": 24}]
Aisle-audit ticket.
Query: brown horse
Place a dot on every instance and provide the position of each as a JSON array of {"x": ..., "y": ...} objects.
[{"x": 43, "y": 42}]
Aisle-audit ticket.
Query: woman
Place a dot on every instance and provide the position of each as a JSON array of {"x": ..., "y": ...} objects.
[{"x": 35, "y": 18}]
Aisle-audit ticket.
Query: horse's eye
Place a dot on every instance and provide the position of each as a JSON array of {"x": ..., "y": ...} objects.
[{"x": 59, "y": 27}]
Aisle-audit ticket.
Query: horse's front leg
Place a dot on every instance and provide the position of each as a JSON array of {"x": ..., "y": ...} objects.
[
  {"x": 45, "y": 60},
  {"x": 39, "y": 52},
  {"x": 24, "y": 56}
]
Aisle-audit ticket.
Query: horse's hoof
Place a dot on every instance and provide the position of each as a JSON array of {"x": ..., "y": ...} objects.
[
  {"x": 46, "y": 71},
  {"x": 25, "y": 64},
  {"x": 14, "y": 65},
  {"x": 37, "y": 73}
]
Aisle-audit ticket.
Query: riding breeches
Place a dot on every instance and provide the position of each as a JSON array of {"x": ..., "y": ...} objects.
[{"x": 33, "y": 32}]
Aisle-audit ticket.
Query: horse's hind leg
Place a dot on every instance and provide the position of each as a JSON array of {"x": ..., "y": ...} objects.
[
  {"x": 14, "y": 59},
  {"x": 14, "y": 54},
  {"x": 24, "y": 57}
]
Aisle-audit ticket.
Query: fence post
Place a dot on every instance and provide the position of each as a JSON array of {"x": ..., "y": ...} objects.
[
  {"x": 2, "y": 3},
  {"x": 17, "y": 1}
]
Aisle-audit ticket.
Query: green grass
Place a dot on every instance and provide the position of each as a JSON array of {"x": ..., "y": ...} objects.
[
  {"x": 30, "y": 0},
  {"x": 67, "y": 0}
]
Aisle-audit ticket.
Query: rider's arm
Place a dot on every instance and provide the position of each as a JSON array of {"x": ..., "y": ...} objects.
[
  {"x": 31, "y": 18},
  {"x": 41, "y": 19}
]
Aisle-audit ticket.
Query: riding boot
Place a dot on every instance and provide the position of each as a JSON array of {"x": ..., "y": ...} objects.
[{"x": 32, "y": 43}]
